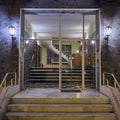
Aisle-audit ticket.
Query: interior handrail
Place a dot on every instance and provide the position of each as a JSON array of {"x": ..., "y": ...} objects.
[
  {"x": 3, "y": 80},
  {"x": 116, "y": 83},
  {"x": 31, "y": 61}
]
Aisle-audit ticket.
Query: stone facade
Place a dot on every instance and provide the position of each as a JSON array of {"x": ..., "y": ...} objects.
[
  {"x": 10, "y": 15},
  {"x": 111, "y": 49},
  {"x": 8, "y": 44}
]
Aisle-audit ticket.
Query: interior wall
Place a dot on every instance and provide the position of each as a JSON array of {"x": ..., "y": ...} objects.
[
  {"x": 8, "y": 45},
  {"x": 91, "y": 29},
  {"x": 75, "y": 46},
  {"x": 27, "y": 27}
]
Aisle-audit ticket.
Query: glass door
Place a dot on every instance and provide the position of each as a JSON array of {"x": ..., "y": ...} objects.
[
  {"x": 62, "y": 43},
  {"x": 89, "y": 50},
  {"x": 77, "y": 46},
  {"x": 71, "y": 53}
]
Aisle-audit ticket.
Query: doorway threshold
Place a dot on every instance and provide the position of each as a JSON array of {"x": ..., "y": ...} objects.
[{"x": 70, "y": 90}]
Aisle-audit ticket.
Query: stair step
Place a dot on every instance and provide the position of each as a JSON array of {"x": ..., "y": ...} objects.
[
  {"x": 58, "y": 77},
  {"x": 57, "y": 71},
  {"x": 50, "y": 73},
  {"x": 59, "y": 116},
  {"x": 60, "y": 100},
  {"x": 60, "y": 108},
  {"x": 57, "y": 80},
  {"x": 74, "y": 68}
]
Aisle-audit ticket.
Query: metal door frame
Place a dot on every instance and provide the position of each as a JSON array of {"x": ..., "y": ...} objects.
[{"x": 24, "y": 11}]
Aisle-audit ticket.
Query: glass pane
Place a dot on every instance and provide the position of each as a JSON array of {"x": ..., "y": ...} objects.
[
  {"x": 90, "y": 43},
  {"x": 71, "y": 34},
  {"x": 45, "y": 28}
]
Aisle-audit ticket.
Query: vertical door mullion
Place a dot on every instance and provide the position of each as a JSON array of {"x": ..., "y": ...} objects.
[
  {"x": 98, "y": 51},
  {"x": 21, "y": 52},
  {"x": 83, "y": 56},
  {"x": 60, "y": 53},
  {"x": 96, "y": 81}
]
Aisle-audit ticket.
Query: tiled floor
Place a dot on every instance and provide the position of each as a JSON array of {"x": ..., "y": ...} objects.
[{"x": 55, "y": 93}]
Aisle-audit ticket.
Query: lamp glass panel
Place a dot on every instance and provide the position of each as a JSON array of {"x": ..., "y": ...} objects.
[
  {"x": 12, "y": 30},
  {"x": 108, "y": 31}
]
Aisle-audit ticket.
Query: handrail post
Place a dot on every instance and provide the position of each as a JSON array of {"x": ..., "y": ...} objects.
[
  {"x": 107, "y": 82},
  {"x": 5, "y": 84},
  {"x": 103, "y": 78},
  {"x": 115, "y": 82},
  {"x": 15, "y": 78},
  {"x": 115, "y": 85},
  {"x": 11, "y": 81}
]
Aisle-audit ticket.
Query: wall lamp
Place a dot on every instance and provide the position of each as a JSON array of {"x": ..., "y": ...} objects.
[
  {"x": 93, "y": 42},
  {"x": 12, "y": 30},
  {"x": 108, "y": 31},
  {"x": 27, "y": 41}
]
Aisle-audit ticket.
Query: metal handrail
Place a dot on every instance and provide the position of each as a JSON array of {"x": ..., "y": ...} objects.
[
  {"x": 31, "y": 61},
  {"x": 6, "y": 75},
  {"x": 116, "y": 83},
  {"x": 3, "y": 85}
]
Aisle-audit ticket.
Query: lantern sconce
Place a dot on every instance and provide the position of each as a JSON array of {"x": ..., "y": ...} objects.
[
  {"x": 92, "y": 42},
  {"x": 108, "y": 31},
  {"x": 12, "y": 30}
]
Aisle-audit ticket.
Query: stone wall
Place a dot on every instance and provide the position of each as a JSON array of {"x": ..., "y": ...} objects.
[
  {"x": 8, "y": 45},
  {"x": 10, "y": 15},
  {"x": 111, "y": 48}
]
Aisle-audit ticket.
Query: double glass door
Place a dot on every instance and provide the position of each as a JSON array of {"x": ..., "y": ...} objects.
[{"x": 69, "y": 47}]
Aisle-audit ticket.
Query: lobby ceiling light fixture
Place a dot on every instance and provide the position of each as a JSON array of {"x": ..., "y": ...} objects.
[
  {"x": 77, "y": 51},
  {"x": 12, "y": 30}
]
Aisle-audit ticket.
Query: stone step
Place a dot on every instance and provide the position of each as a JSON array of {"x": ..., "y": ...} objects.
[
  {"x": 75, "y": 108},
  {"x": 60, "y": 100},
  {"x": 74, "y": 68},
  {"x": 56, "y": 74},
  {"x": 57, "y": 79},
  {"x": 59, "y": 116},
  {"x": 51, "y": 77},
  {"x": 57, "y": 71}
]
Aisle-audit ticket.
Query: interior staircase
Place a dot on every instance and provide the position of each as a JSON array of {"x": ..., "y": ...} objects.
[
  {"x": 60, "y": 109},
  {"x": 50, "y": 77}
]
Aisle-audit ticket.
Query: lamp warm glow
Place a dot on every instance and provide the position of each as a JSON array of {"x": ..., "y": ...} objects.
[
  {"x": 108, "y": 30},
  {"x": 12, "y": 30},
  {"x": 77, "y": 51}
]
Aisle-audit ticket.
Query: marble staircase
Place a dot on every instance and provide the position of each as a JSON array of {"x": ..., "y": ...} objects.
[{"x": 50, "y": 76}]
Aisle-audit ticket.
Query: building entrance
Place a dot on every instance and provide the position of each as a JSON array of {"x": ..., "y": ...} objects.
[{"x": 60, "y": 48}]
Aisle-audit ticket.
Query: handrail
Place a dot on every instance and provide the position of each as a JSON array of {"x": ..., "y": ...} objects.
[
  {"x": 6, "y": 75},
  {"x": 116, "y": 83},
  {"x": 31, "y": 61},
  {"x": 3, "y": 85}
]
